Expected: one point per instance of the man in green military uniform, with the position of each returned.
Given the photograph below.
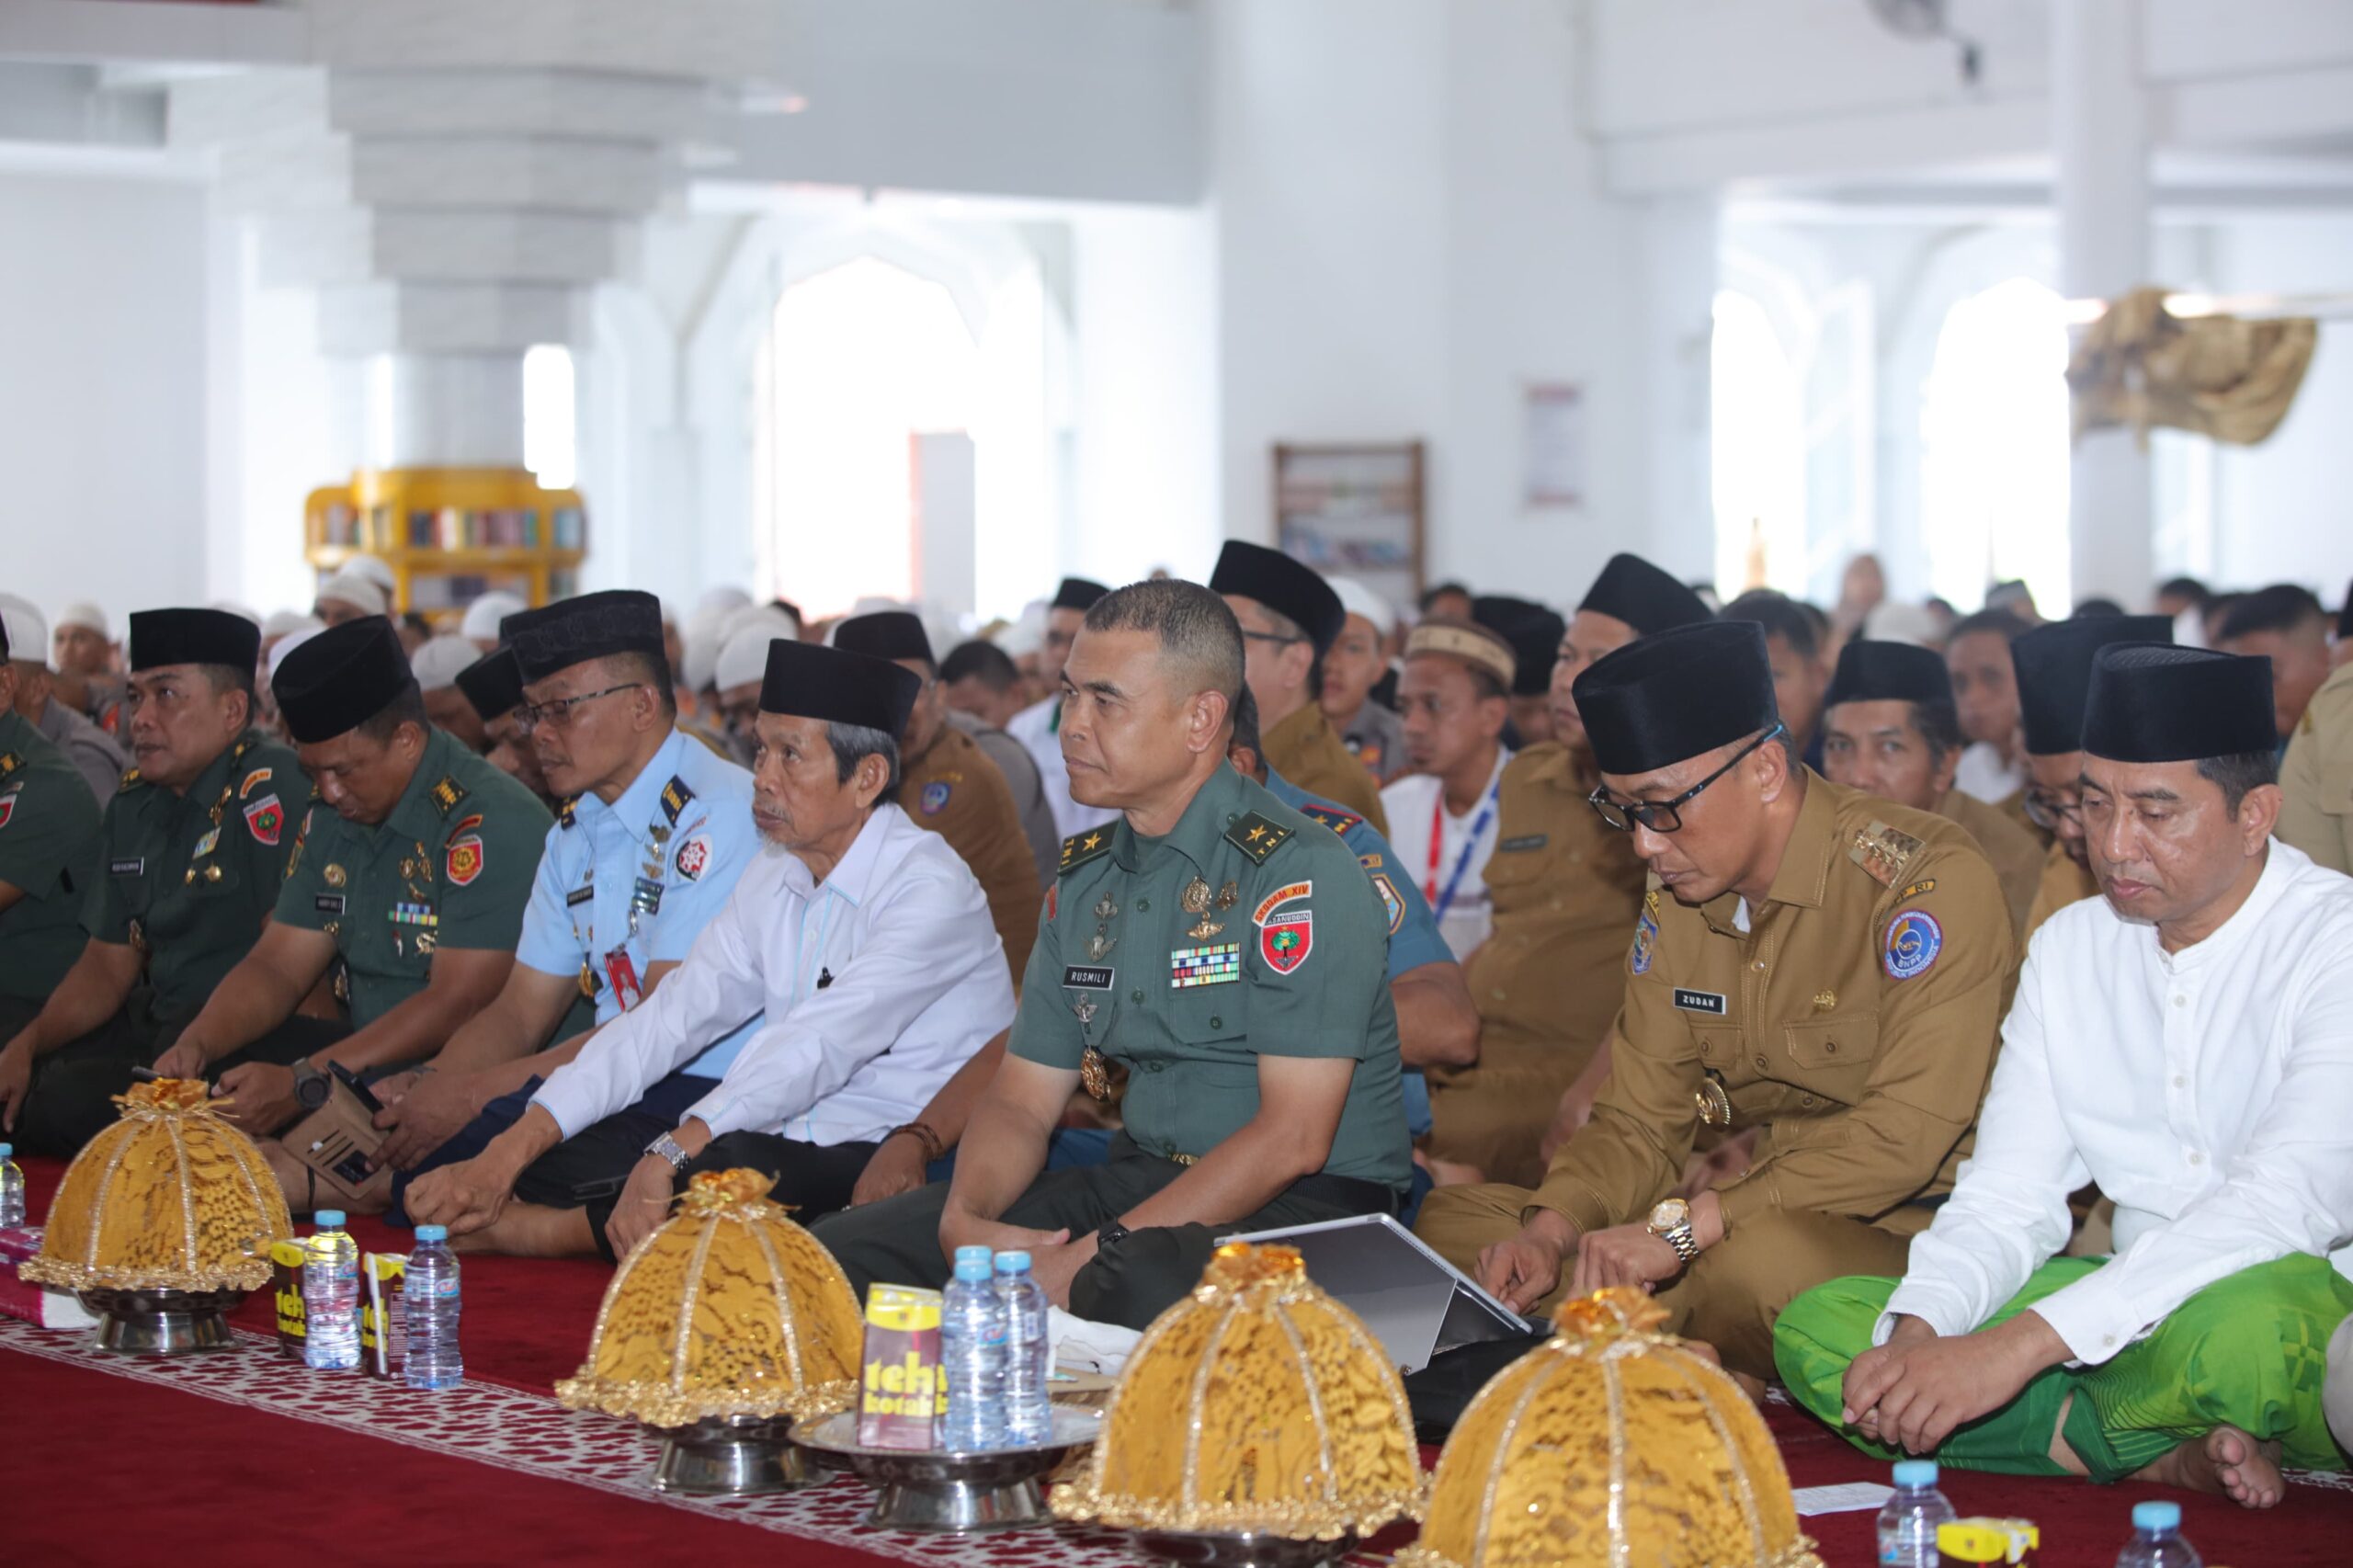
(49, 842)
(1230, 954)
(193, 848)
(412, 866)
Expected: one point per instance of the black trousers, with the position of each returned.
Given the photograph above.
(896, 1242)
(70, 1099)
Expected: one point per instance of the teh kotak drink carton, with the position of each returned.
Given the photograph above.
(902, 1390)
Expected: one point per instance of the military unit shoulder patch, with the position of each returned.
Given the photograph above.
(1257, 837)
(1081, 848)
(1882, 852)
(1333, 817)
(253, 780)
(266, 820)
(466, 824)
(675, 796)
(1925, 884)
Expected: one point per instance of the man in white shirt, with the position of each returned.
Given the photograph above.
(864, 938)
(1455, 694)
(1037, 727)
(2185, 1040)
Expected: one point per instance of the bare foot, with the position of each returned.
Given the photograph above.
(2225, 1463)
(529, 1230)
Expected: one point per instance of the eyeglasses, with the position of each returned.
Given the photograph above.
(558, 713)
(1664, 816)
(2048, 811)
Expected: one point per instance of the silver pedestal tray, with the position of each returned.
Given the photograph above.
(932, 1491)
(1244, 1549)
(160, 1323)
(729, 1456)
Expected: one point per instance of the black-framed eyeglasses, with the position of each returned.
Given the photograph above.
(1664, 816)
(2047, 810)
(531, 715)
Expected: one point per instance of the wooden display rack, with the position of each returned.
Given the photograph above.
(451, 534)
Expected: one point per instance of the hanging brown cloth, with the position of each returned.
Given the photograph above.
(2220, 377)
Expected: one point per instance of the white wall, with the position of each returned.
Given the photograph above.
(102, 390)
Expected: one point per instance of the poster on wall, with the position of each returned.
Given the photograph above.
(1555, 440)
(1354, 511)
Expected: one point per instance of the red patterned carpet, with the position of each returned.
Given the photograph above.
(207, 1459)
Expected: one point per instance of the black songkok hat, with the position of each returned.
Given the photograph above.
(1632, 590)
(885, 634)
(340, 678)
(1669, 697)
(807, 680)
(2054, 674)
(594, 625)
(1076, 593)
(2154, 702)
(160, 637)
(493, 683)
(1889, 672)
(1284, 585)
(1534, 633)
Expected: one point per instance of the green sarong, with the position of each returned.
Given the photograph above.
(2248, 1351)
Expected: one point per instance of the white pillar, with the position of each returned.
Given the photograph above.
(1679, 274)
(445, 411)
(2101, 147)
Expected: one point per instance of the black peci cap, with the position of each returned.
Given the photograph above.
(160, 637)
(492, 684)
(593, 626)
(1675, 694)
(1284, 585)
(1889, 672)
(806, 680)
(2054, 674)
(2154, 702)
(1632, 590)
(338, 679)
(885, 634)
(1534, 633)
(1076, 593)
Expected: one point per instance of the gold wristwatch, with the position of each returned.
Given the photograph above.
(1671, 1222)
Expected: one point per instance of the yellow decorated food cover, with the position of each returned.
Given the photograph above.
(1256, 1404)
(1612, 1445)
(170, 1197)
(728, 1308)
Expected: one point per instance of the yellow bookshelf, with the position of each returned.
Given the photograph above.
(451, 534)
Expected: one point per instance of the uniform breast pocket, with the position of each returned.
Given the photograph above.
(2336, 788)
(1827, 1045)
(1208, 1015)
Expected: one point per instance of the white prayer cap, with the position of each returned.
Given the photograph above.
(278, 623)
(437, 662)
(744, 659)
(288, 643)
(1026, 633)
(1892, 620)
(352, 588)
(483, 614)
(724, 597)
(28, 632)
(83, 614)
(376, 570)
(232, 607)
(1358, 600)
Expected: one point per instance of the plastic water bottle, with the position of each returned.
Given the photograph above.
(12, 1189)
(971, 1354)
(1029, 1407)
(1908, 1525)
(331, 1296)
(2156, 1540)
(429, 1297)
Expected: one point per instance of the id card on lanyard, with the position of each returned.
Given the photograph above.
(1442, 901)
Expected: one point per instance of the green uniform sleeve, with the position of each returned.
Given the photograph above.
(1044, 1029)
(48, 822)
(305, 900)
(1317, 963)
(484, 875)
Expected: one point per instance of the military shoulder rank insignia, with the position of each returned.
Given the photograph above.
(675, 796)
(1333, 817)
(446, 793)
(1882, 852)
(131, 779)
(1257, 837)
(1081, 848)
(563, 817)
(10, 762)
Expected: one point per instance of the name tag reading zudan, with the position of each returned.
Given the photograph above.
(1699, 1001)
(1086, 977)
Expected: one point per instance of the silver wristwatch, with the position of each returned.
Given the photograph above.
(667, 1147)
(1671, 1222)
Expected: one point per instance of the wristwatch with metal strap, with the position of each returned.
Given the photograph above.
(1671, 1222)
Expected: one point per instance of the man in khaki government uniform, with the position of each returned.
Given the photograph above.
(948, 785)
(1888, 729)
(1564, 891)
(2054, 675)
(1227, 950)
(195, 841)
(1828, 966)
(2316, 779)
(1290, 618)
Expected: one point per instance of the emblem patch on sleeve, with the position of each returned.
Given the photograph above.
(694, 857)
(266, 819)
(464, 860)
(7, 808)
(1394, 905)
(935, 799)
(1286, 941)
(1278, 898)
(257, 776)
(1914, 941)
